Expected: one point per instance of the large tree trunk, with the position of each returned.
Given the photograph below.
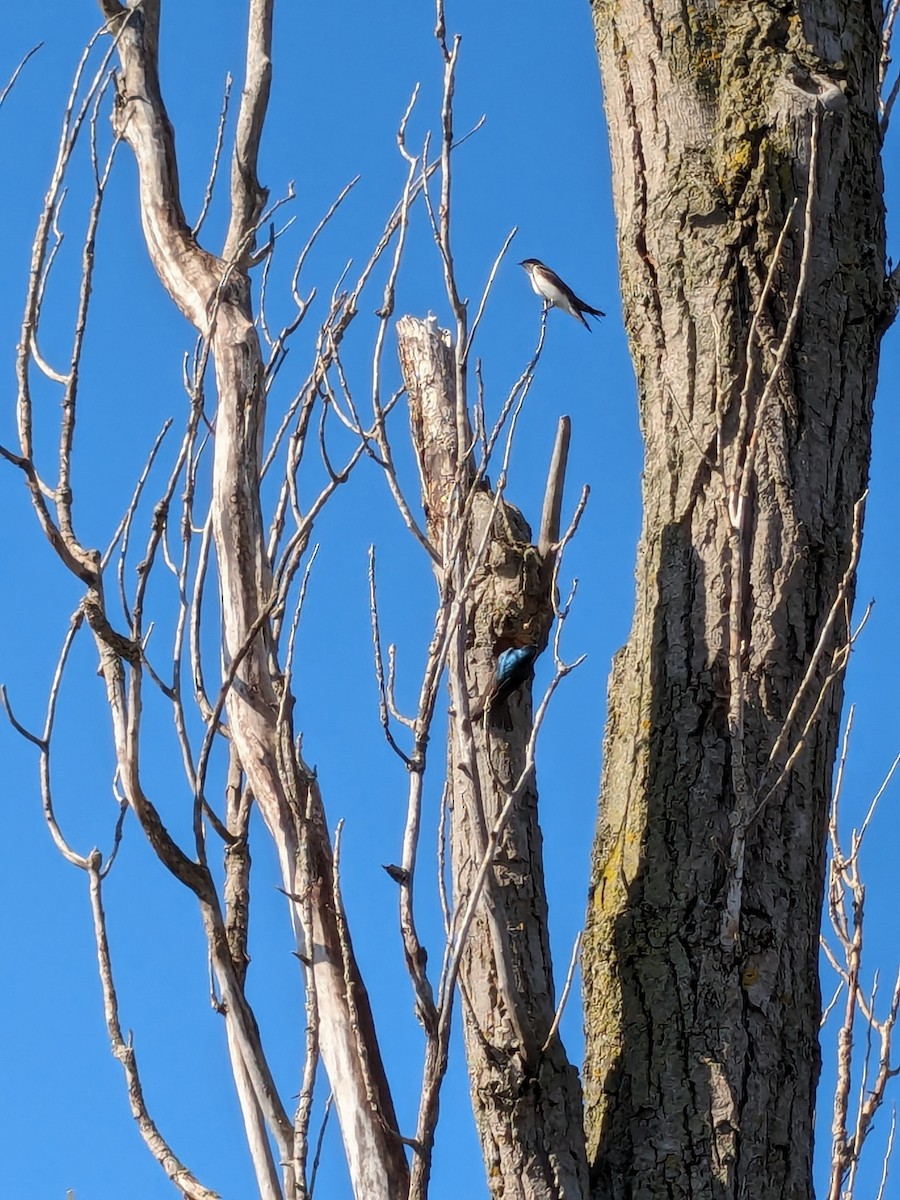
(700, 963)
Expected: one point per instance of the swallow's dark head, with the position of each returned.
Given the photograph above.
(529, 263)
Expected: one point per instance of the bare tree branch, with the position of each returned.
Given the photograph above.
(17, 72)
(248, 198)
(846, 913)
(123, 1051)
(216, 158)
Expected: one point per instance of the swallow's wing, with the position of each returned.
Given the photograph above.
(554, 281)
(577, 302)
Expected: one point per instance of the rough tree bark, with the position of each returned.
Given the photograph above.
(700, 963)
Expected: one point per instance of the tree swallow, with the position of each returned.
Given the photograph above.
(398, 874)
(512, 670)
(552, 290)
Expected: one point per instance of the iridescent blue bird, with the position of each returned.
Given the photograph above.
(512, 670)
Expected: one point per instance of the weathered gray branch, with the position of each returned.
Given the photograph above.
(184, 1180)
(215, 296)
(553, 496)
(248, 197)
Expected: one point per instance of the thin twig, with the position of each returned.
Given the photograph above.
(482, 304)
(570, 974)
(17, 72)
(886, 1160)
(217, 154)
(123, 1051)
(383, 710)
(319, 1141)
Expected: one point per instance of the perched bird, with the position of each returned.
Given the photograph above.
(512, 670)
(551, 288)
(398, 874)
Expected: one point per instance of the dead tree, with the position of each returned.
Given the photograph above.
(498, 590)
(495, 590)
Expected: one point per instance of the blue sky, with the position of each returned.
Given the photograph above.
(343, 75)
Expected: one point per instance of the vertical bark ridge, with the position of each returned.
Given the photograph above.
(702, 1055)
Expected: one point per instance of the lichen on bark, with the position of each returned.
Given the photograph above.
(702, 1055)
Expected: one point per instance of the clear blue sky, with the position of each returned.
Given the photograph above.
(343, 75)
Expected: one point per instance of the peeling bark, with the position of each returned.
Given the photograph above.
(702, 1055)
(214, 294)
